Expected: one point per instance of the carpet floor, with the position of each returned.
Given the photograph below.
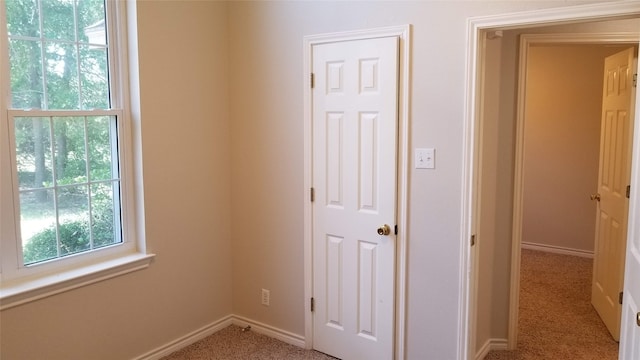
(231, 343)
(557, 320)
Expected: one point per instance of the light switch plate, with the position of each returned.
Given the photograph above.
(425, 158)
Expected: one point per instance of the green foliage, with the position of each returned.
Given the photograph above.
(42, 246)
(75, 236)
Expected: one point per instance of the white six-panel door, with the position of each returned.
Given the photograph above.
(354, 177)
(630, 329)
(630, 313)
(630, 334)
(615, 164)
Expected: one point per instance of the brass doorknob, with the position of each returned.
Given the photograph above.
(595, 197)
(384, 230)
(638, 319)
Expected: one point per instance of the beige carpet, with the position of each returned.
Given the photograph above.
(232, 343)
(556, 319)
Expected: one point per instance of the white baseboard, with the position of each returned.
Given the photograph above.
(187, 339)
(491, 344)
(557, 250)
(203, 332)
(270, 331)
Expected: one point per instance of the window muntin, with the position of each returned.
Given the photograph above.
(58, 52)
(70, 203)
(64, 134)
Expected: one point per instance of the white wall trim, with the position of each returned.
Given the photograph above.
(270, 331)
(558, 16)
(581, 38)
(20, 292)
(491, 344)
(403, 32)
(186, 340)
(477, 28)
(215, 326)
(556, 249)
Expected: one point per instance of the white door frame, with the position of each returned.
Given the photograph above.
(477, 29)
(403, 33)
(518, 204)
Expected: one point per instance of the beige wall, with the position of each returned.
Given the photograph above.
(562, 141)
(496, 189)
(200, 161)
(185, 144)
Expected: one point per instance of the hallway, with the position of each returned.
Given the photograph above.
(557, 320)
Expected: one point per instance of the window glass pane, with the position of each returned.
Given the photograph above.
(75, 76)
(38, 225)
(67, 166)
(91, 22)
(101, 135)
(69, 150)
(73, 219)
(104, 225)
(75, 211)
(33, 152)
(57, 19)
(27, 91)
(94, 76)
(63, 91)
(23, 18)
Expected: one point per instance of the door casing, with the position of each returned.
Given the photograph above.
(478, 28)
(403, 32)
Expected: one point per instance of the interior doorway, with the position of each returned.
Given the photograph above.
(493, 222)
(563, 85)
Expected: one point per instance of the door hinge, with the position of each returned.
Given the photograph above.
(628, 191)
(313, 304)
(635, 80)
(312, 81)
(312, 194)
(620, 297)
(473, 239)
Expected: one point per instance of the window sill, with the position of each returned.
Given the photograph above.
(15, 293)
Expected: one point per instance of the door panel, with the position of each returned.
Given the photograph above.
(630, 327)
(354, 177)
(611, 222)
(630, 336)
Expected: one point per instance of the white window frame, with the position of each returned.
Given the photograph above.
(20, 284)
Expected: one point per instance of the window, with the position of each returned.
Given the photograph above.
(65, 137)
